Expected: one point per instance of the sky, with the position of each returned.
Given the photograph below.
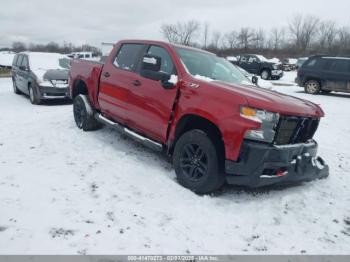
(96, 21)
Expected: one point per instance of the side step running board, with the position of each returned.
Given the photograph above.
(143, 140)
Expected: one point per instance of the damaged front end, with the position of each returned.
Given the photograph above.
(291, 157)
(260, 164)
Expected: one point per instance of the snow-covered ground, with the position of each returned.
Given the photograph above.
(6, 58)
(63, 191)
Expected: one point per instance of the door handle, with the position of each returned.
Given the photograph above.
(136, 82)
(106, 74)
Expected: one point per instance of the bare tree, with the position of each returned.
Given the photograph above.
(216, 40)
(245, 36)
(277, 38)
(206, 34)
(231, 39)
(181, 33)
(327, 32)
(302, 30)
(18, 46)
(54, 47)
(259, 38)
(344, 39)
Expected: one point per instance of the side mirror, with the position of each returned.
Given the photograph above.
(255, 80)
(23, 68)
(151, 69)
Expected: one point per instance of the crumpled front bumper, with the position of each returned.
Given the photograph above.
(261, 164)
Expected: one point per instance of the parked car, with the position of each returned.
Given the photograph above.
(325, 74)
(259, 65)
(289, 64)
(85, 55)
(200, 110)
(301, 61)
(255, 80)
(42, 76)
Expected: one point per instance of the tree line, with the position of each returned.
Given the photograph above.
(52, 47)
(303, 36)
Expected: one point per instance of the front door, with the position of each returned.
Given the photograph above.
(149, 103)
(23, 72)
(17, 74)
(252, 64)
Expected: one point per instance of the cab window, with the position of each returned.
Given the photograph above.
(19, 60)
(167, 65)
(128, 56)
(244, 58)
(25, 62)
(252, 59)
(14, 62)
(340, 65)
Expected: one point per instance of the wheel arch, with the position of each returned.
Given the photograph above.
(79, 88)
(312, 78)
(192, 121)
(265, 68)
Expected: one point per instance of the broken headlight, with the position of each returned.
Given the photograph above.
(268, 121)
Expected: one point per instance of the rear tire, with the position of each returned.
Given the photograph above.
(196, 161)
(312, 87)
(33, 97)
(84, 114)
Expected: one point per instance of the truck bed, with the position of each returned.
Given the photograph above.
(87, 71)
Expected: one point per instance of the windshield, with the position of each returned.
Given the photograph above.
(209, 67)
(262, 58)
(64, 62)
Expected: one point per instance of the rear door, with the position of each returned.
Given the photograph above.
(337, 75)
(116, 78)
(150, 104)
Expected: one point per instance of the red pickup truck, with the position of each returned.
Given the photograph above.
(202, 111)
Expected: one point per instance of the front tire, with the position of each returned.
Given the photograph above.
(312, 87)
(265, 74)
(196, 162)
(84, 114)
(33, 97)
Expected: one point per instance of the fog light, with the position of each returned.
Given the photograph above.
(281, 172)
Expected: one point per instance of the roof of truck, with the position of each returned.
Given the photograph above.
(156, 42)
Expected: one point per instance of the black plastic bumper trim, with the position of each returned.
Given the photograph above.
(262, 164)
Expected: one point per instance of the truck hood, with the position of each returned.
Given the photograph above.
(273, 101)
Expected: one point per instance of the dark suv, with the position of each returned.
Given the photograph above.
(259, 65)
(325, 74)
(41, 76)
